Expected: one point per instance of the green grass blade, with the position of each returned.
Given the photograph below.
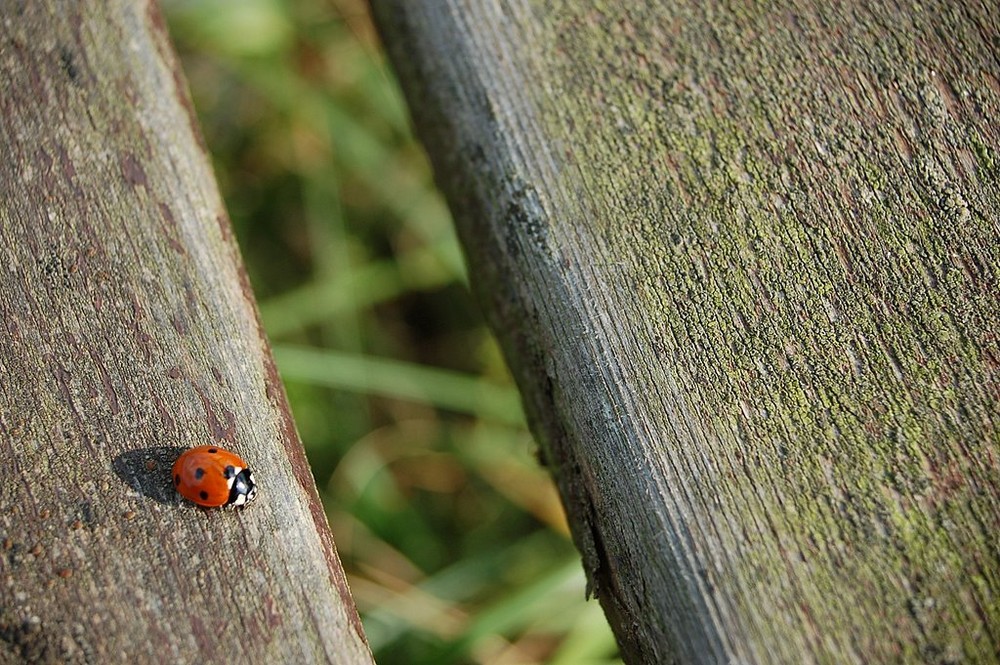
(511, 613)
(364, 286)
(391, 378)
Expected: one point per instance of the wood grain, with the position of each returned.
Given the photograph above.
(743, 260)
(129, 333)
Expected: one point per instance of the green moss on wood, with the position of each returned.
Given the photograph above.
(804, 267)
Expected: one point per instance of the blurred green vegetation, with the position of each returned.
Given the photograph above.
(450, 532)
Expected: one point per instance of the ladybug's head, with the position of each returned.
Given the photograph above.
(243, 490)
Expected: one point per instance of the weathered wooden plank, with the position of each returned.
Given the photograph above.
(743, 259)
(130, 332)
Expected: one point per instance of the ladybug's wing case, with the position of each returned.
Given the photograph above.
(201, 478)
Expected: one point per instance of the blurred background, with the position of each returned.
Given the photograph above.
(451, 534)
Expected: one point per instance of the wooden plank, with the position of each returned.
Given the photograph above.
(129, 333)
(743, 260)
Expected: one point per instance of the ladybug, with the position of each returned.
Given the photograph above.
(213, 477)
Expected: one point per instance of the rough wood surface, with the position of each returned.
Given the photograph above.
(743, 259)
(130, 332)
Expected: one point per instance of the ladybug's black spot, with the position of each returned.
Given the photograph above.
(177, 480)
(230, 471)
(199, 473)
(213, 450)
(204, 495)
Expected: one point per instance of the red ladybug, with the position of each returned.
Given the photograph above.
(213, 477)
